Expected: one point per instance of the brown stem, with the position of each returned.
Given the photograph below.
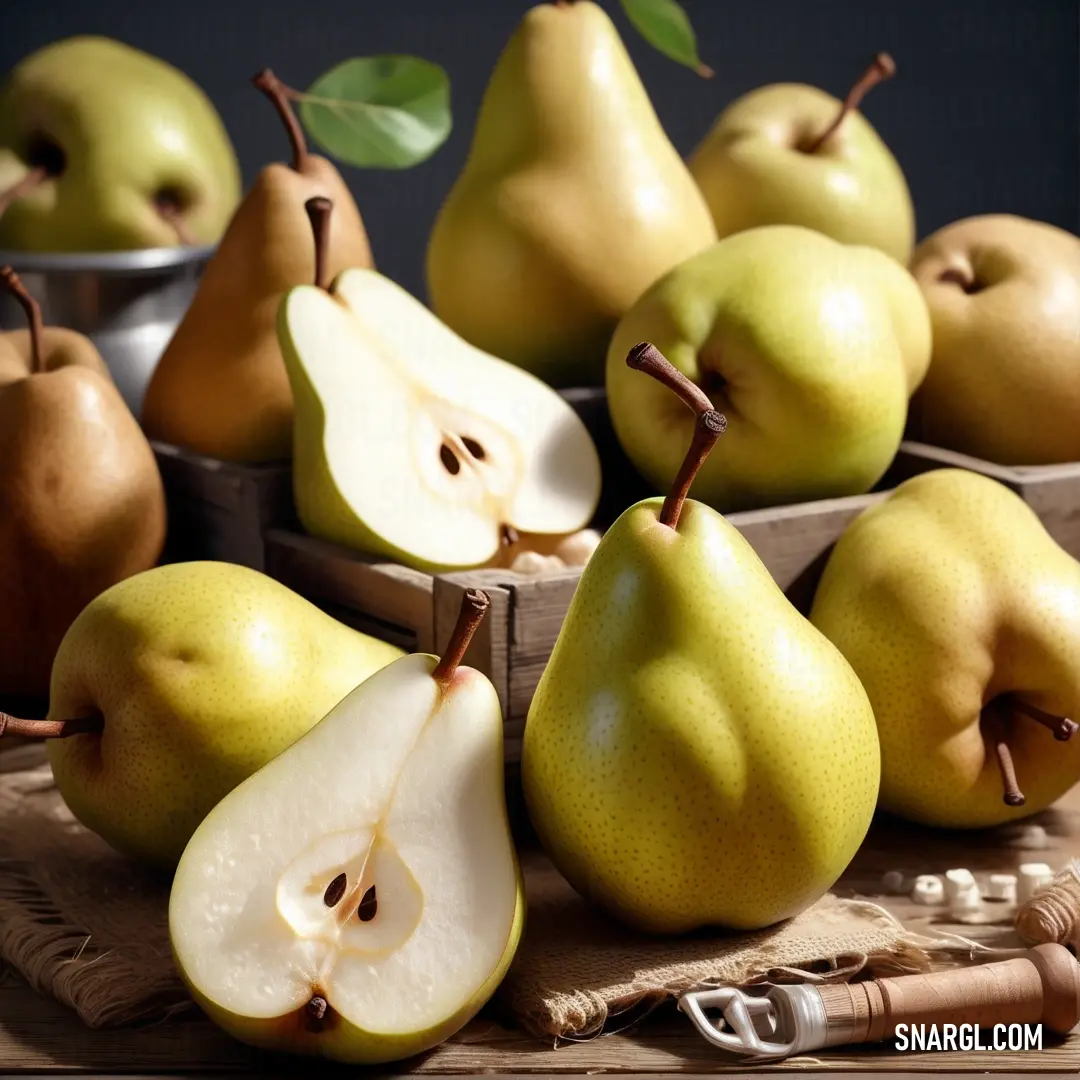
(51, 729)
(35, 176)
(1062, 727)
(997, 734)
(881, 68)
(709, 427)
(474, 605)
(648, 358)
(172, 215)
(13, 283)
(279, 95)
(318, 210)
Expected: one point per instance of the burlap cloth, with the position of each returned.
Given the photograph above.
(89, 928)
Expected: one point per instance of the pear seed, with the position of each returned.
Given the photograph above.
(449, 460)
(369, 905)
(335, 891)
(317, 1007)
(474, 448)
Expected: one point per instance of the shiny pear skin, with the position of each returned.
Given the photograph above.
(696, 753)
(752, 172)
(82, 505)
(809, 347)
(129, 130)
(944, 596)
(1004, 299)
(203, 672)
(571, 203)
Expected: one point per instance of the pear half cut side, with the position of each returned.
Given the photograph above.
(413, 444)
(359, 897)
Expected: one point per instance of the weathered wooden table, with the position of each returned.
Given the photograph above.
(38, 1037)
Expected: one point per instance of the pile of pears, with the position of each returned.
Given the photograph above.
(698, 753)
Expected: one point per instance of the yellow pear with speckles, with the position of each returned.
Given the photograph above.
(696, 753)
(961, 616)
(195, 675)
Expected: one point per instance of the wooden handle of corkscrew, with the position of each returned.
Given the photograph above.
(1040, 987)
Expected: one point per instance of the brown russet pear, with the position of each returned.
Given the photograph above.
(571, 204)
(81, 499)
(1004, 300)
(221, 388)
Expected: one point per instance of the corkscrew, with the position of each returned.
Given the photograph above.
(1042, 986)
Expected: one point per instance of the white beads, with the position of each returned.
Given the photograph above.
(1001, 887)
(959, 883)
(1033, 877)
(892, 881)
(928, 889)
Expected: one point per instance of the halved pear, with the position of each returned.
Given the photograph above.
(359, 897)
(411, 443)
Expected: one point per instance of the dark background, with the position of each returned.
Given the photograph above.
(983, 114)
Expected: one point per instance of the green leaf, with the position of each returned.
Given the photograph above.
(379, 112)
(666, 27)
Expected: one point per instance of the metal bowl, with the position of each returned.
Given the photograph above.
(127, 302)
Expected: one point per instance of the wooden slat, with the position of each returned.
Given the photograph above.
(394, 594)
(937, 457)
(221, 510)
(538, 608)
(1052, 491)
(794, 542)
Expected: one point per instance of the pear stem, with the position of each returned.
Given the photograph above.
(318, 210)
(13, 283)
(474, 605)
(881, 68)
(1012, 794)
(996, 732)
(51, 729)
(279, 94)
(1062, 727)
(709, 427)
(37, 175)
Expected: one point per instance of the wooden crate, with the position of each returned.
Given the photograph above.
(514, 642)
(1052, 491)
(220, 510)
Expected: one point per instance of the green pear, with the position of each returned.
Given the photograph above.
(696, 752)
(178, 683)
(572, 201)
(790, 154)
(809, 347)
(961, 616)
(103, 147)
(411, 443)
(359, 897)
(1004, 300)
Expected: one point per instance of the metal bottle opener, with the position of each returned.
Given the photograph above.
(1040, 987)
